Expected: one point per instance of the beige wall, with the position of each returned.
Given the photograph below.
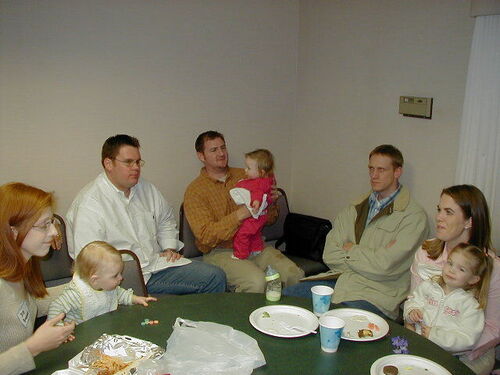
(316, 81)
(355, 59)
(75, 72)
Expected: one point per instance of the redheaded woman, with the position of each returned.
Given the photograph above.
(26, 233)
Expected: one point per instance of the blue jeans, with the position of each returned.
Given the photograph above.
(303, 289)
(195, 277)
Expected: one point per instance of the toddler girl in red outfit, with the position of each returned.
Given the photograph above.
(258, 185)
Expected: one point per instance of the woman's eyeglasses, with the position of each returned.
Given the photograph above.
(45, 226)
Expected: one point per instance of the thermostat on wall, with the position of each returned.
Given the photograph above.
(414, 106)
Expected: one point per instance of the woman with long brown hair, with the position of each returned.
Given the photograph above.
(463, 217)
(26, 233)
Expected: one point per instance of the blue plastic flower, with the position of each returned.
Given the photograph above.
(400, 345)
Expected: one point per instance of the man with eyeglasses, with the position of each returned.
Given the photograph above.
(130, 213)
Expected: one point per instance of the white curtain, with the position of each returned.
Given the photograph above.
(479, 152)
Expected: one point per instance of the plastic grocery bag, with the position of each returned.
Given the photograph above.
(206, 348)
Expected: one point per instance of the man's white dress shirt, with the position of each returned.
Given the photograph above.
(144, 222)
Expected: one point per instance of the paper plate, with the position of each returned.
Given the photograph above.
(276, 320)
(356, 320)
(408, 365)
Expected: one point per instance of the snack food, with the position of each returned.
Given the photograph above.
(114, 354)
(108, 365)
(390, 370)
(365, 333)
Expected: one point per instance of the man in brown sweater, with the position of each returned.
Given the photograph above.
(214, 219)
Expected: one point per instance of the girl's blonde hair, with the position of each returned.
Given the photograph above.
(92, 257)
(264, 159)
(482, 266)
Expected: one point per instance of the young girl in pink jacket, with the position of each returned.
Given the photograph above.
(463, 216)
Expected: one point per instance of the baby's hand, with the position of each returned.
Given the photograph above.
(416, 315)
(426, 330)
(410, 326)
(72, 336)
(255, 206)
(142, 300)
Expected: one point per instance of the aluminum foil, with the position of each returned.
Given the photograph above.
(126, 348)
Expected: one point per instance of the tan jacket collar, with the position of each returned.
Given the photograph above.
(399, 204)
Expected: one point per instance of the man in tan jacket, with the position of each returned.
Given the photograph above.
(373, 241)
